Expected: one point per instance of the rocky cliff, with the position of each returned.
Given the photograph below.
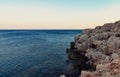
(98, 49)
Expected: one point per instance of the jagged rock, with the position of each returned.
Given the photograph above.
(109, 69)
(115, 56)
(101, 46)
(87, 74)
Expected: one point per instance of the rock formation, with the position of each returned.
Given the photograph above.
(98, 48)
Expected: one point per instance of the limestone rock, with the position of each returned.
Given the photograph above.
(87, 74)
(101, 47)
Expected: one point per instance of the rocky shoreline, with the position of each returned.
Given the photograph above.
(98, 51)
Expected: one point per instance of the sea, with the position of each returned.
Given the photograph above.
(36, 53)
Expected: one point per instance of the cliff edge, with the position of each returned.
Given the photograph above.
(98, 49)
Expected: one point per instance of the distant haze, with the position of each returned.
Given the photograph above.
(57, 14)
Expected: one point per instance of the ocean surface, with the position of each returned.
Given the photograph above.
(36, 53)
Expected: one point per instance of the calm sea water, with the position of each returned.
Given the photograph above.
(35, 53)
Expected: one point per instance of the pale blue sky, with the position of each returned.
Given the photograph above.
(80, 4)
(57, 13)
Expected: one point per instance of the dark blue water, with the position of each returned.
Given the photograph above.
(35, 53)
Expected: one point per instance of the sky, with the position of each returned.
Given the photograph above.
(57, 14)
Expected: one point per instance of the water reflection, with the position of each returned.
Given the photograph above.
(76, 68)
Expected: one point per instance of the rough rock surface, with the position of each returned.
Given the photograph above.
(107, 69)
(98, 48)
